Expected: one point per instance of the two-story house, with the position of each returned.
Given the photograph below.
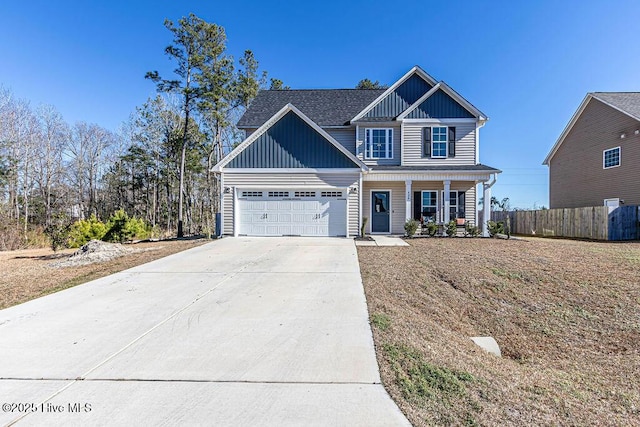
(596, 159)
(317, 162)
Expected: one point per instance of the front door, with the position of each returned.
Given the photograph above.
(380, 218)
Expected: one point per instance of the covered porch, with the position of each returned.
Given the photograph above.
(390, 197)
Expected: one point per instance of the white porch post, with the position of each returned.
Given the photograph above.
(408, 213)
(486, 209)
(447, 203)
(486, 205)
(236, 213)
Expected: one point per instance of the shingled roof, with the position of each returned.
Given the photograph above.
(627, 102)
(326, 107)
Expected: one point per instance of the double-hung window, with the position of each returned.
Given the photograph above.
(429, 205)
(439, 142)
(611, 158)
(378, 143)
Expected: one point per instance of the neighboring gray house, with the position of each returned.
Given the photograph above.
(596, 160)
(316, 162)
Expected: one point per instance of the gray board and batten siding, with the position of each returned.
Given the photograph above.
(291, 143)
(440, 106)
(576, 174)
(400, 99)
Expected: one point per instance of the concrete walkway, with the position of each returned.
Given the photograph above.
(241, 331)
(382, 240)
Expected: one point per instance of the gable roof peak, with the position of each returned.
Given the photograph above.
(289, 107)
(415, 70)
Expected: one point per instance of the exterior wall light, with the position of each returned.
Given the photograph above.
(353, 190)
(227, 190)
(623, 135)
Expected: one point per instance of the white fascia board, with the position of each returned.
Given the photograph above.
(277, 116)
(479, 176)
(354, 171)
(568, 128)
(415, 70)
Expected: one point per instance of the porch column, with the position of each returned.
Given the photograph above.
(447, 203)
(408, 207)
(486, 208)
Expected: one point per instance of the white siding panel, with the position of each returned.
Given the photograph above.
(397, 135)
(465, 146)
(292, 181)
(346, 137)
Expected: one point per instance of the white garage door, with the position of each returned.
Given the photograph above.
(277, 212)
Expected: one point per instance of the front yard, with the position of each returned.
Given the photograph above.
(31, 273)
(566, 315)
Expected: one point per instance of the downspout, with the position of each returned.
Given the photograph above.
(486, 204)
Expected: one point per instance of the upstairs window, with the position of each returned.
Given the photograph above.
(611, 158)
(378, 144)
(439, 142)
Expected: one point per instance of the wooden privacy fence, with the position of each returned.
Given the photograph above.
(597, 223)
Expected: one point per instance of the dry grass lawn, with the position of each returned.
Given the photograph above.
(566, 315)
(28, 274)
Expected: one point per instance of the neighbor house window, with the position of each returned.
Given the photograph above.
(439, 141)
(611, 158)
(378, 144)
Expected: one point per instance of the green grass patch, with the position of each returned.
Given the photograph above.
(381, 321)
(420, 380)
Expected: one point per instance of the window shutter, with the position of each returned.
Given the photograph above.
(417, 205)
(390, 144)
(367, 142)
(452, 142)
(426, 144)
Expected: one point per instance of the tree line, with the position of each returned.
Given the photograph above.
(156, 167)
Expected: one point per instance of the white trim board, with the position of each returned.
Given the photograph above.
(327, 171)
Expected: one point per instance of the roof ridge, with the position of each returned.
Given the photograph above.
(321, 89)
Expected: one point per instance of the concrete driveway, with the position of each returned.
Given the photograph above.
(241, 331)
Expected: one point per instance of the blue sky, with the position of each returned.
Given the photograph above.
(527, 65)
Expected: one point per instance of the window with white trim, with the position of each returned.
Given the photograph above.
(456, 204)
(429, 205)
(439, 142)
(611, 158)
(378, 143)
